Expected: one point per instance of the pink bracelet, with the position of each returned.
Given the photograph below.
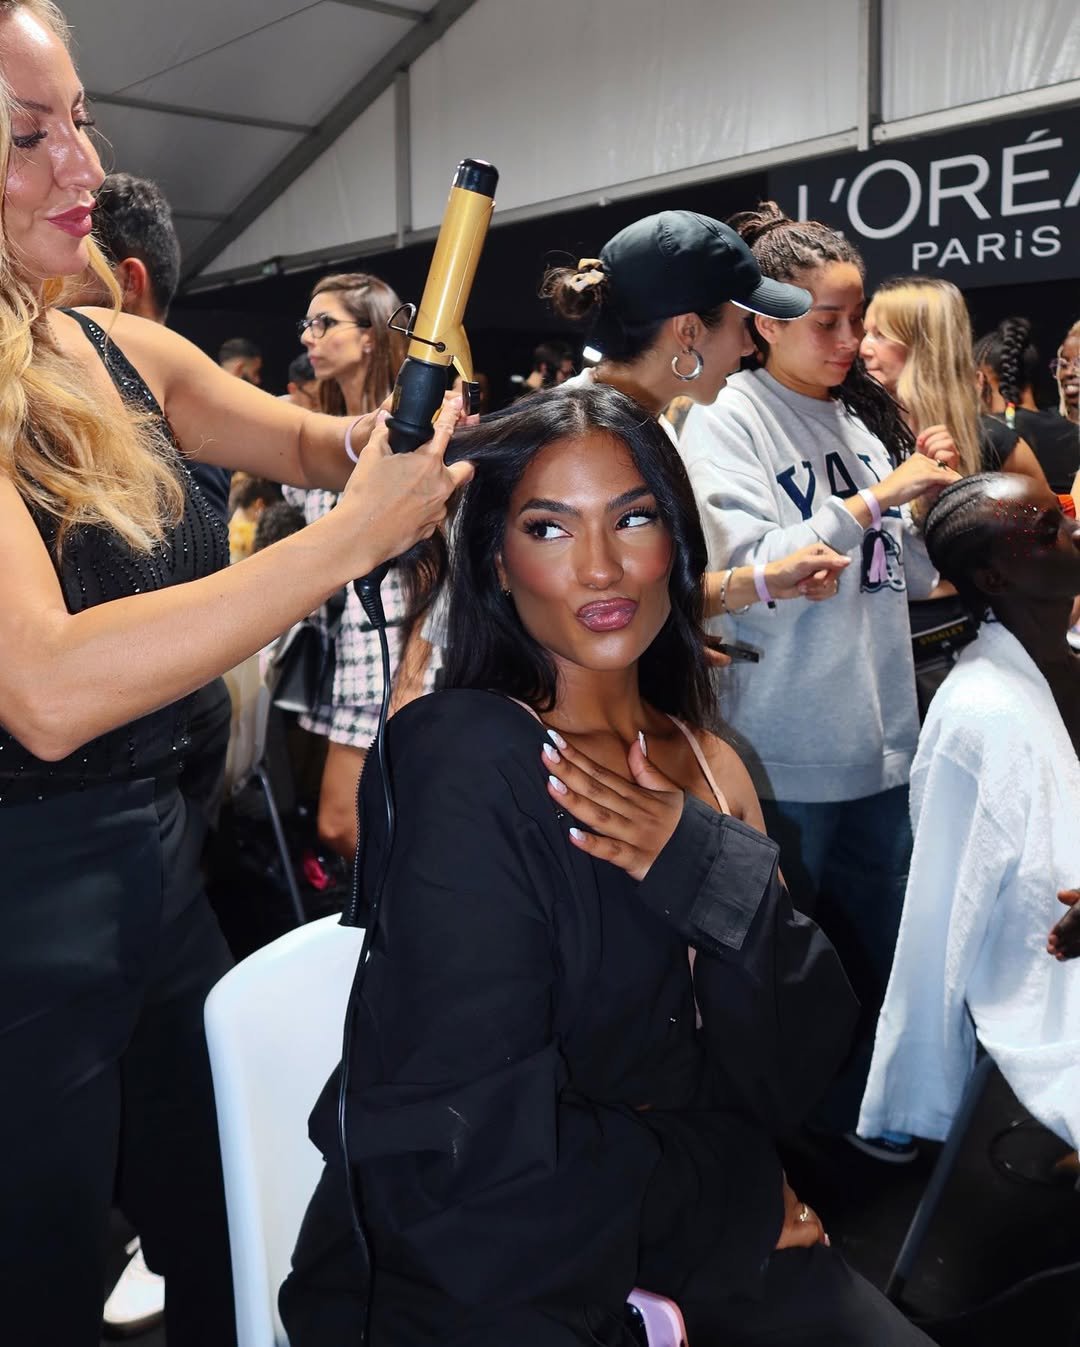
(348, 440)
(873, 506)
(878, 570)
(761, 587)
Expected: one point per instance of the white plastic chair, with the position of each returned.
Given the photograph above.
(274, 1025)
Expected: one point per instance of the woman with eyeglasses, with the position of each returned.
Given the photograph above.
(1065, 368)
(356, 357)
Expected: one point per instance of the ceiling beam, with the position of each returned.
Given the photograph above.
(204, 114)
(381, 7)
(360, 97)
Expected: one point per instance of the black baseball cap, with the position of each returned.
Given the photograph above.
(682, 262)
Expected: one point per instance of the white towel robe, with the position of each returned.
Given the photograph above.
(995, 807)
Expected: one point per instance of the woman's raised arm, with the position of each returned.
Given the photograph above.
(67, 678)
(226, 421)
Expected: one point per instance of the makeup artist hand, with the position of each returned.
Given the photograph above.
(937, 443)
(1064, 941)
(633, 820)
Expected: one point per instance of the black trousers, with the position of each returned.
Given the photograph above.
(810, 1298)
(107, 951)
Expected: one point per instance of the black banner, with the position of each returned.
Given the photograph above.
(991, 205)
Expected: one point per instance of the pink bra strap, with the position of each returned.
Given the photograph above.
(706, 770)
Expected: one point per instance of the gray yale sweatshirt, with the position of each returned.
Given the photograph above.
(830, 712)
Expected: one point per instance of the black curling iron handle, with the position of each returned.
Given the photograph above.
(418, 395)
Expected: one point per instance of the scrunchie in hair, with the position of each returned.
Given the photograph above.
(590, 272)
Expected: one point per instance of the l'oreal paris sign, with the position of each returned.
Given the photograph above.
(996, 204)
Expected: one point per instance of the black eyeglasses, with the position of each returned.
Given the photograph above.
(321, 324)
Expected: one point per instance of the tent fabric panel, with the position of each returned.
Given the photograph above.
(939, 56)
(291, 71)
(348, 194)
(119, 42)
(566, 98)
(197, 166)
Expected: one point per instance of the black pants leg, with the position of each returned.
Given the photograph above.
(170, 1183)
(811, 1298)
(102, 1051)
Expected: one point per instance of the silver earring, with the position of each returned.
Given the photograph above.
(695, 373)
(506, 593)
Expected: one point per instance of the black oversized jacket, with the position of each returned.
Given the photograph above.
(522, 1133)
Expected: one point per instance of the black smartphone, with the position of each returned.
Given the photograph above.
(746, 654)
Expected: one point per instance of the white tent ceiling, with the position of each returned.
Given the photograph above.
(310, 129)
(210, 97)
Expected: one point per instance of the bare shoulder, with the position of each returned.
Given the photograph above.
(732, 778)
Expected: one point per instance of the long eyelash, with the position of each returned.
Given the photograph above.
(28, 142)
(536, 527)
(643, 513)
(83, 122)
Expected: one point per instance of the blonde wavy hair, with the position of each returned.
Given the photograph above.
(938, 384)
(62, 443)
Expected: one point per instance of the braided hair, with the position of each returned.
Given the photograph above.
(786, 250)
(960, 532)
(1012, 356)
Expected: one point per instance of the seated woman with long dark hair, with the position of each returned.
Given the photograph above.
(539, 1116)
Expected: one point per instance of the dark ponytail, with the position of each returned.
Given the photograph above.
(786, 250)
(1012, 356)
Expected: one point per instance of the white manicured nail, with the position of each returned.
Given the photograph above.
(556, 784)
(556, 738)
(551, 753)
(641, 743)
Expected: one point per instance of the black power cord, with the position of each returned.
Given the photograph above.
(368, 590)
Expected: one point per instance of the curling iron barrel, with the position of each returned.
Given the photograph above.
(437, 336)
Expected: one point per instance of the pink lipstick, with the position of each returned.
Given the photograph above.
(607, 614)
(77, 222)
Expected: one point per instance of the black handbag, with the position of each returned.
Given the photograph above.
(301, 673)
(940, 628)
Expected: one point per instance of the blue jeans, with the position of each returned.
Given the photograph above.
(845, 865)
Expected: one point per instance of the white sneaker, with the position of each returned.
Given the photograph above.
(137, 1301)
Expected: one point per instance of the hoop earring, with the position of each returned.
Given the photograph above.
(695, 373)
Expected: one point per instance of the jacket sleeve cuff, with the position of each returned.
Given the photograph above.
(709, 879)
(836, 526)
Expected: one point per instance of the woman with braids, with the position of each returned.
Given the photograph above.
(537, 1118)
(995, 798)
(356, 358)
(1008, 369)
(116, 604)
(666, 304)
(918, 346)
(810, 448)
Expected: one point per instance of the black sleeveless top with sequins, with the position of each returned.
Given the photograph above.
(96, 567)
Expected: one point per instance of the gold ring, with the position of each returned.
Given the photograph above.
(803, 1215)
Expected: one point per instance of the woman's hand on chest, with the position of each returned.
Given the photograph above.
(631, 820)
